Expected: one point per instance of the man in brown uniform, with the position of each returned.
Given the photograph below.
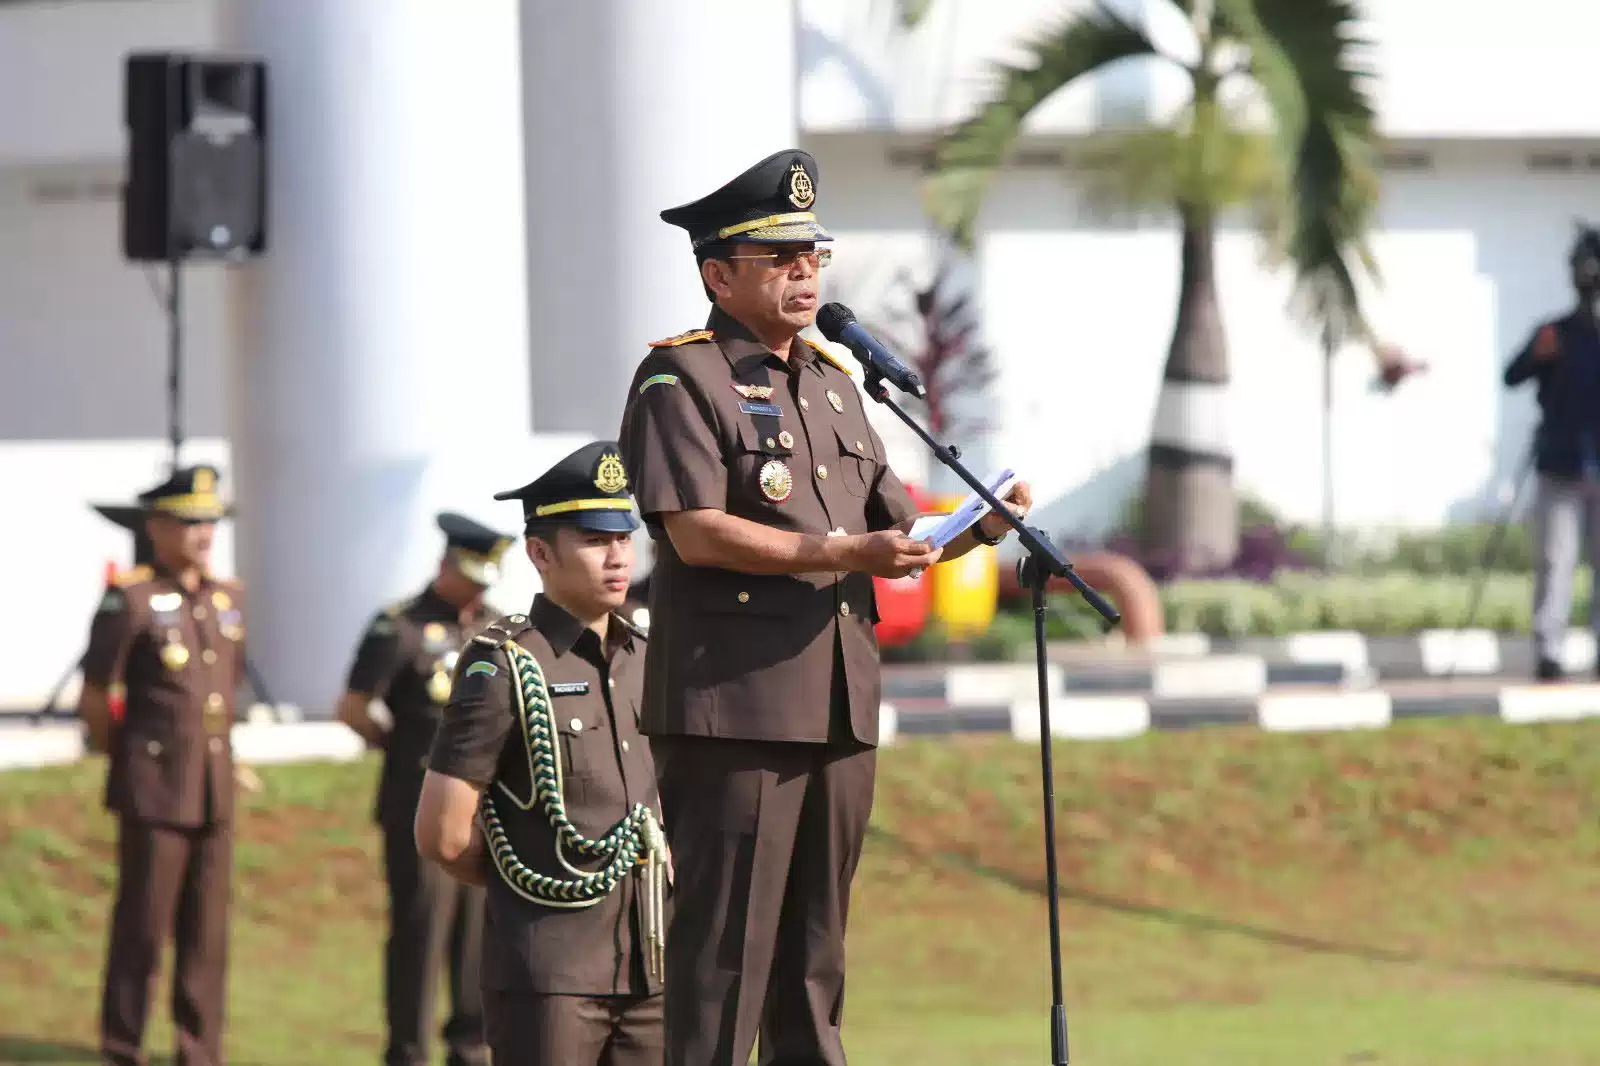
(541, 741)
(171, 636)
(771, 504)
(406, 659)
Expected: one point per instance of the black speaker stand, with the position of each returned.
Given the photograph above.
(175, 357)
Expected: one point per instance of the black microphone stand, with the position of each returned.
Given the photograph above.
(1042, 562)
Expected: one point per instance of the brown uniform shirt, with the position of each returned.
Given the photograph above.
(406, 659)
(180, 657)
(715, 420)
(606, 768)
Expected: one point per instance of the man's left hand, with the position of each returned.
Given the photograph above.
(1019, 501)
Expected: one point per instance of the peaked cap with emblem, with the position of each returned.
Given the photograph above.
(190, 494)
(473, 547)
(587, 489)
(768, 204)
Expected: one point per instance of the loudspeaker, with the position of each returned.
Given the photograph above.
(197, 164)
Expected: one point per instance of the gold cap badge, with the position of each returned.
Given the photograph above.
(801, 192)
(611, 476)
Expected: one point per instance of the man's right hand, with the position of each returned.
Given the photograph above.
(890, 553)
(1545, 344)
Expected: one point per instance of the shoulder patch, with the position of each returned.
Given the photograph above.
(135, 576)
(820, 350)
(683, 338)
(658, 379)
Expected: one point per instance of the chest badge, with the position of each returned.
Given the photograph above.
(835, 402)
(776, 480)
(754, 392)
(165, 602)
(570, 688)
(221, 600)
(439, 685)
(435, 637)
(786, 439)
(174, 656)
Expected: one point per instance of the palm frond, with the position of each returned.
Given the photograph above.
(966, 159)
(912, 12)
(1209, 160)
(1303, 56)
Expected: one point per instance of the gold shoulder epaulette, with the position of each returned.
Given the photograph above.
(683, 338)
(820, 350)
(135, 576)
(502, 629)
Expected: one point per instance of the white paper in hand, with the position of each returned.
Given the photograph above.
(939, 530)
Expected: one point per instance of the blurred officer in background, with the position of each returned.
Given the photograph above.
(406, 659)
(541, 743)
(1563, 357)
(171, 637)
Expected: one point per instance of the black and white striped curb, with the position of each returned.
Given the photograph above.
(1078, 717)
(1113, 716)
(1204, 677)
(256, 742)
(1427, 653)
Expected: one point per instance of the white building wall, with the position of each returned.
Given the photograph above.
(1079, 310)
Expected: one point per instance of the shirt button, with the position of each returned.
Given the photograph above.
(216, 745)
(209, 657)
(840, 532)
(576, 724)
(200, 614)
(844, 609)
(624, 745)
(822, 471)
(771, 443)
(214, 701)
(744, 597)
(611, 682)
(805, 405)
(153, 747)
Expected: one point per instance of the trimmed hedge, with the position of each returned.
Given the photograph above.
(1391, 604)
(1396, 603)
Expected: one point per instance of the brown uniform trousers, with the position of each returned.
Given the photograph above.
(761, 691)
(180, 656)
(405, 659)
(562, 987)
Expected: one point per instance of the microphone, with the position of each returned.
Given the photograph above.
(838, 323)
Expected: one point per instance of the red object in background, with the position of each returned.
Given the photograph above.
(116, 698)
(903, 602)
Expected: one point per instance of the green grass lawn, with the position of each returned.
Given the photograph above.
(1420, 896)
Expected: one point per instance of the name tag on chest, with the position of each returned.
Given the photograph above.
(570, 688)
(761, 409)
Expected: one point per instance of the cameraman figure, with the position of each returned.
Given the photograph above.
(1564, 357)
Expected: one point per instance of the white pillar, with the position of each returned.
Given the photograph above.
(634, 106)
(386, 325)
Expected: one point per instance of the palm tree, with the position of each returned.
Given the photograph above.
(1308, 172)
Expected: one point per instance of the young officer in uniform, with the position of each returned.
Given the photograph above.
(772, 505)
(541, 743)
(406, 659)
(171, 637)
